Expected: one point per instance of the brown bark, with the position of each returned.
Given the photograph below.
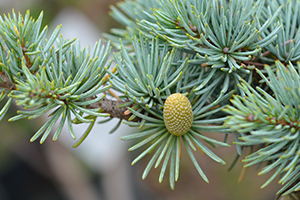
(112, 107)
(6, 84)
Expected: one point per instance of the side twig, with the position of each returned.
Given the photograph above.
(112, 107)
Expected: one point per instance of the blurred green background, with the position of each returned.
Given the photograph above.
(55, 171)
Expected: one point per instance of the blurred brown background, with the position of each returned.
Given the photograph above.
(100, 168)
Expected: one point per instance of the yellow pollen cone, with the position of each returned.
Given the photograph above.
(178, 114)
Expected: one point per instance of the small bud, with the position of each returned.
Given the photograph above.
(194, 29)
(226, 49)
(250, 118)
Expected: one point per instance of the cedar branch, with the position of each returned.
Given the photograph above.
(107, 105)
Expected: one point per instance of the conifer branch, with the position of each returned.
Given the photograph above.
(199, 53)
